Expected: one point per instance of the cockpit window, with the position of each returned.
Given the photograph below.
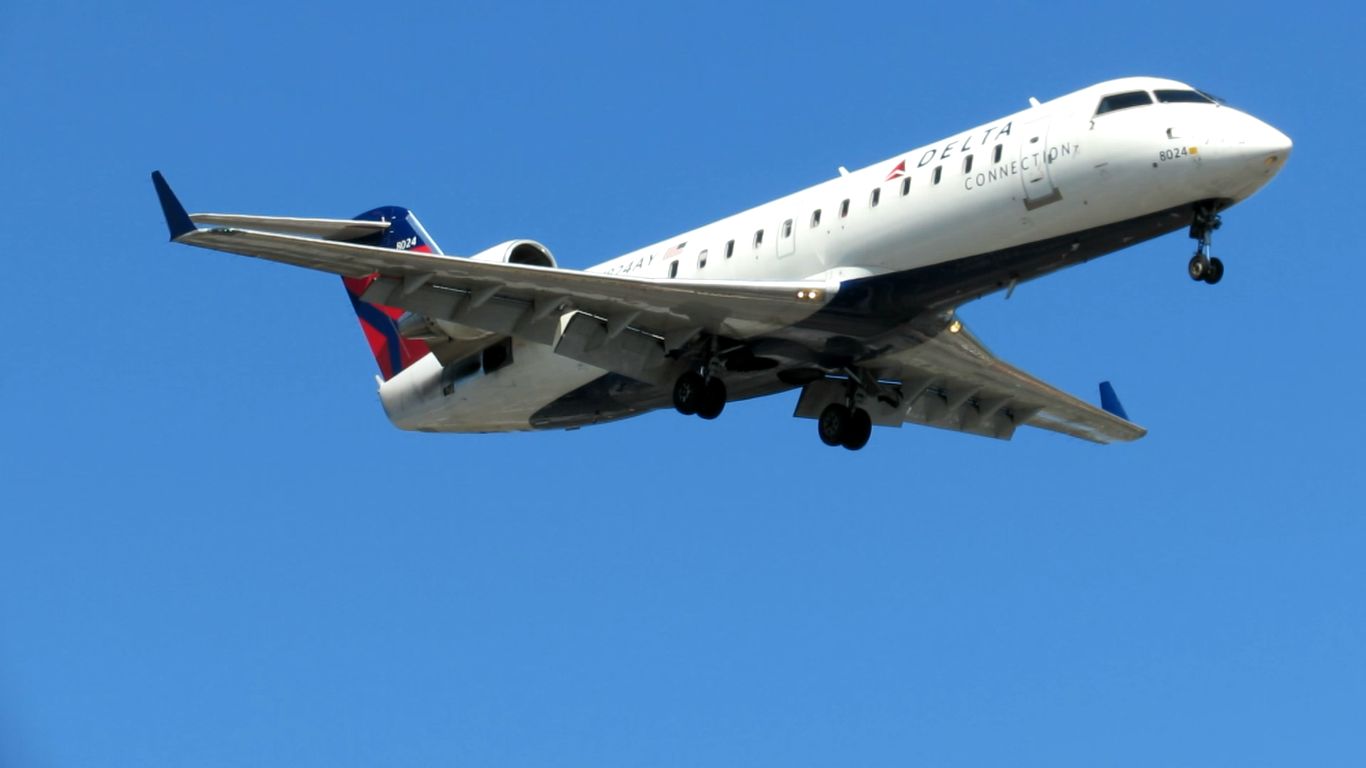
(1123, 101)
(1178, 97)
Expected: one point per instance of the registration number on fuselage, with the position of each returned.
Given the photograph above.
(1176, 153)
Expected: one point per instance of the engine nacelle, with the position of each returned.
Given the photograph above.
(518, 252)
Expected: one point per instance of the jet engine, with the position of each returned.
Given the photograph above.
(518, 252)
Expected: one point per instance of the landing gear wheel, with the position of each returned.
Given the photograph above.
(689, 393)
(1198, 266)
(1214, 272)
(832, 424)
(713, 399)
(857, 430)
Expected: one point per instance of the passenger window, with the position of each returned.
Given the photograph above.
(938, 172)
(730, 248)
(815, 218)
(1123, 101)
(996, 154)
(875, 197)
(967, 164)
(1175, 97)
(702, 260)
(844, 208)
(906, 186)
(673, 269)
(787, 229)
(758, 238)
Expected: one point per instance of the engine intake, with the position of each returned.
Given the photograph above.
(518, 252)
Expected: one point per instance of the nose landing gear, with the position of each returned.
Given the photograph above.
(1203, 267)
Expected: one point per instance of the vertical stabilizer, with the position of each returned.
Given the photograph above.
(392, 352)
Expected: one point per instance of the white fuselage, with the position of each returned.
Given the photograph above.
(1044, 172)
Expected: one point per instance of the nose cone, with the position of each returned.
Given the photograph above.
(1244, 153)
(1267, 144)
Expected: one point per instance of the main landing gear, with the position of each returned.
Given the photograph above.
(843, 422)
(1203, 267)
(841, 425)
(704, 395)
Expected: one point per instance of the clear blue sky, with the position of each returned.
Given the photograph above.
(215, 550)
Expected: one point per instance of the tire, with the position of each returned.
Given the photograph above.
(1197, 268)
(713, 399)
(832, 424)
(689, 391)
(858, 430)
(1214, 272)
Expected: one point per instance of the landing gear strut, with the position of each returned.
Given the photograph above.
(1203, 267)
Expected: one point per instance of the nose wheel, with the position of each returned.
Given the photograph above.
(1204, 268)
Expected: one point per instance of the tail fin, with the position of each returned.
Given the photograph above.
(380, 323)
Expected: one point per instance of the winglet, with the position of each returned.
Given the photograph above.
(177, 220)
(1109, 401)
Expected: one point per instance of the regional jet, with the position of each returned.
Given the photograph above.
(848, 290)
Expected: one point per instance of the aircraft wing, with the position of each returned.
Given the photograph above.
(514, 299)
(952, 380)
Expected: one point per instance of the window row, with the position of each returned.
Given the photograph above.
(874, 197)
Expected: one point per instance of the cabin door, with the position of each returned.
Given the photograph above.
(1034, 171)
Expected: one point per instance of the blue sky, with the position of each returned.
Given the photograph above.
(214, 550)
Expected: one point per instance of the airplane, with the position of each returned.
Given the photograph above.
(848, 290)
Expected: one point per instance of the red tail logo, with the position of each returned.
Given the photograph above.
(380, 324)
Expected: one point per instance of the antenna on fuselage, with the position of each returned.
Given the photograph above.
(844, 171)
(1033, 102)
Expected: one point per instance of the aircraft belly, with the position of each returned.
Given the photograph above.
(612, 397)
(867, 307)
